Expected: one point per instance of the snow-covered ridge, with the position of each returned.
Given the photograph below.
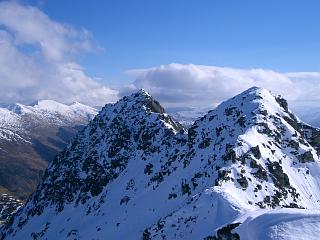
(53, 107)
(135, 173)
(16, 120)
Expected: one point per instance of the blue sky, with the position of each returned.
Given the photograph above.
(97, 51)
(280, 35)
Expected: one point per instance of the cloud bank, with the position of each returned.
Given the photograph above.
(205, 86)
(37, 59)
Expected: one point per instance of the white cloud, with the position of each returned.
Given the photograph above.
(37, 59)
(203, 86)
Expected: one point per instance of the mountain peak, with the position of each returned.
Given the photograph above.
(143, 92)
(260, 141)
(254, 89)
(263, 95)
(142, 99)
(255, 100)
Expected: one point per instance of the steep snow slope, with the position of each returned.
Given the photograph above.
(280, 224)
(134, 173)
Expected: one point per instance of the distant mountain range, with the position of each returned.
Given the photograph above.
(309, 114)
(186, 116)
(30, 137)
(248, 169)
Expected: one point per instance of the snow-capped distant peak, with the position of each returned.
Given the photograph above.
(16, 119)
(51, 106)
(54, 106)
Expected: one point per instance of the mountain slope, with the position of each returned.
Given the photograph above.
(134, 173)
(8, 205)
(30, 136)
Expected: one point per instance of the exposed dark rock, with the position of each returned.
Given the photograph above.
(225, 233)
(306, 157)
(282, 102)
(256, 152)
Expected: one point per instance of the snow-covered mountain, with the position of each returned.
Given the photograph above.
(247, 169)
(30, 136)
(18, 120)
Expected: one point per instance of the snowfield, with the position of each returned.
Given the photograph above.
(280, 224)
